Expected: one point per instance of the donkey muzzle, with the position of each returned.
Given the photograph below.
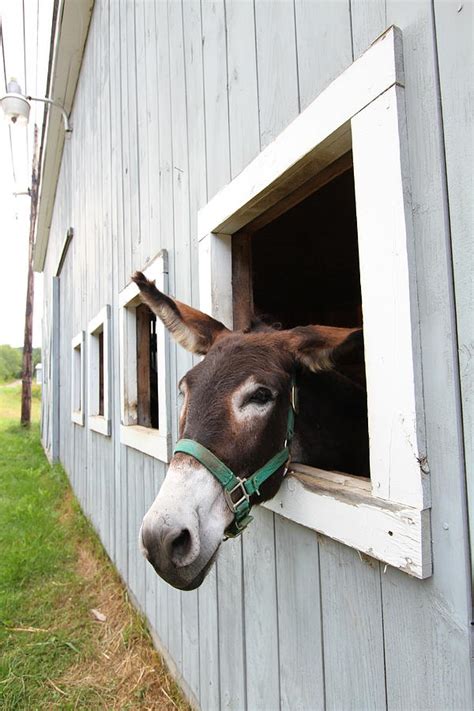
(184, 527)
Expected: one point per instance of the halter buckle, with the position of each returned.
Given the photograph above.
(231, 502)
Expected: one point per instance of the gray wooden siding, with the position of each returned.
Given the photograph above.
(174, 99)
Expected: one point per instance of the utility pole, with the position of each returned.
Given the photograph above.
(27, 370)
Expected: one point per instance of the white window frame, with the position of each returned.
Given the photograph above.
(77, 378)
(154, 442)
(387, 516)
(99, 324)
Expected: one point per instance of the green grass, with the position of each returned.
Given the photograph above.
(10, 403)
(34, 562)
(52, 572)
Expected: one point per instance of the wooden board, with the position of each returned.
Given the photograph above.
(323, 44)
(299, 617)
(277, 67)
(261, 615)
(351, 610)
(215, 95)
(454, 30)
(244, 126)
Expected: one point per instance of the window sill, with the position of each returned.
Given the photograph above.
(146, 440)
(99, 424)
(343, 507)
(77, 416)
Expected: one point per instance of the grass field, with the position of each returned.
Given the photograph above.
(54, 653)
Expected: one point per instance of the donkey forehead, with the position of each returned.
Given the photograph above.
(236, 359)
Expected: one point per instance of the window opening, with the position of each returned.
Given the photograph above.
(302, 267)
(147, 368)
(100, 337)
(77, 380)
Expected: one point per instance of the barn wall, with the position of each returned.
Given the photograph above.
(174, 99)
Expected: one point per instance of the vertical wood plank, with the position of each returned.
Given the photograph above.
(277, 67)
(54, 397)
(324, 44)
(436, 610)
(231, 626)
(152, 242)
(433, 670)
(352, 629)
(196, 128)
(242, 79)
(142, 68)
(165, 135)
(133, 239)
(261, 619)
(110, 460)
(299, 617)
(369, 20)
(454, 32)
(117, 271)
(215, 92)
(218, 174)
(125, 59)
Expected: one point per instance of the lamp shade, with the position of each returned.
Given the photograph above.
(15, 106)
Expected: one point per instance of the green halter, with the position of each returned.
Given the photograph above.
(238, 491)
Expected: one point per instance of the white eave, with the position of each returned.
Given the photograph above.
(67, 49)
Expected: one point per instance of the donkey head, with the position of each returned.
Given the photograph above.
(235, 403)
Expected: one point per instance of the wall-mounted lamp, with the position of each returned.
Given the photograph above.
(16, 106)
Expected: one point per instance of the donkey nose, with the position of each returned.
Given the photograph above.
(175, 544)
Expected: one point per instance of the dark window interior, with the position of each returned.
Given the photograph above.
(147, 368)
(302, 267)
(305, 264)
(101, 373)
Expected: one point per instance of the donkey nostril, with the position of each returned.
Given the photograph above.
(178, 545)
(182, 543)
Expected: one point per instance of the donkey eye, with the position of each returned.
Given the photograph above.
(261, 396)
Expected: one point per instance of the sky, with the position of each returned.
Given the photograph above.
(26, 27)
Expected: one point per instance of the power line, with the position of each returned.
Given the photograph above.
(3, 54)
(24, 47)
(26, 79)
(37, 47)
(5, 78)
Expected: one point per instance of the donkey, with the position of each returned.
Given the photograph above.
(235, 420)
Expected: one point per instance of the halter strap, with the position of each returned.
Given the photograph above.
(238, 491)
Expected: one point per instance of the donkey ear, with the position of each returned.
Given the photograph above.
(191, 328)
(325, 348)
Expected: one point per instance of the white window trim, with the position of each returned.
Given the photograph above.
(387, 517)
(154, 442)
(96, 422)
(77, 415)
